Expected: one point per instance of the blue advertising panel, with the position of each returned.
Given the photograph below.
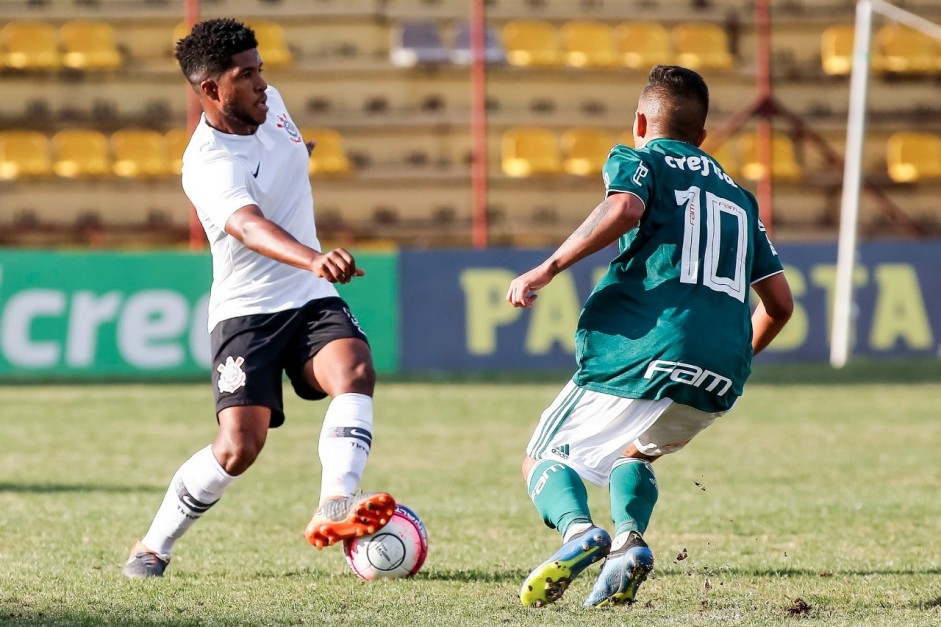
(454, 315)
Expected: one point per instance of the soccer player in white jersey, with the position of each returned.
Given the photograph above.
(664, 342)
(272, 307)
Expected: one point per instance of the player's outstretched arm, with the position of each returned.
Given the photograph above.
(249, 226)
(613, 217)
(772, 312)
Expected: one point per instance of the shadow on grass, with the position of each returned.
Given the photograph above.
(70, 619)
(58, 488)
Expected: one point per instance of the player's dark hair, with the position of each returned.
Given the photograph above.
(207, 51)
(683, 100)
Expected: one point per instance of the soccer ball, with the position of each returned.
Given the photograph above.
(397, 550)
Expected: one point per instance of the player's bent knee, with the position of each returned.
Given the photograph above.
(237, 456)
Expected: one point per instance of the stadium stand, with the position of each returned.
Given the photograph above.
(727, 157)
(531, 42)
(530, 151)
(80, 153)
(588, 44)
(913, 157)
(89, 46)
(176, 140)
(404, 132)
(23, 155)
(30, 45)
(784, 165)
(139, 153)
(461, 50)
(585, 150)
(836, 49)
(643, 44)
(329, 156)
(907, 51)
(701, 47)
(272, 43)
(418, 42)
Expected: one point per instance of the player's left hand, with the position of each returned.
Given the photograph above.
(522, 288)
(310, 146)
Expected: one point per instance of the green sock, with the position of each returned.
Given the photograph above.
(634, 493)
(559, 495)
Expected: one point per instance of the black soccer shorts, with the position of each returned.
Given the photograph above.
(251, 353)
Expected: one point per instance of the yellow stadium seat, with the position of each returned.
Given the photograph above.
(176, 140)
(29, 46)
(913, 156)
(726, 157)
(531, 43)
(138, 153)
(836, 49)
(588, 44)
(180, 31)
(701, 47)
(906, 50)
(24, 154)
(643, 45)
(80, 153)
(529, 151)
(329, 156)
(272, 44)
(89, 46)
(784, 164)
(585, 150)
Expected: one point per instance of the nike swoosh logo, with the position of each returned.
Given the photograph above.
(360, 433)
(255, 173)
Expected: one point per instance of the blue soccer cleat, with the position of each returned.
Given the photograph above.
(551, 578)
(622, 573)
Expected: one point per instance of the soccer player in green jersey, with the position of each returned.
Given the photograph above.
(664, 343)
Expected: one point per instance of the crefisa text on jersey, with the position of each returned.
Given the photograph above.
(702, 165)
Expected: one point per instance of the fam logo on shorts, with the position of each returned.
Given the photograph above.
(285, 122)
(231, 375)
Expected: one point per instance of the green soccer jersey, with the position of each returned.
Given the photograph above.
(671, 317)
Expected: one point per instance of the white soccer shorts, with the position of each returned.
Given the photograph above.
(589, 431)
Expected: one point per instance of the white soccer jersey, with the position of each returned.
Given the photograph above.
(223, 173)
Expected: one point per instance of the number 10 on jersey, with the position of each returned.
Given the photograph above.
(726, 240)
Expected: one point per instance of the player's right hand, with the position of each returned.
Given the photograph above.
(337, 266)
(522, 288)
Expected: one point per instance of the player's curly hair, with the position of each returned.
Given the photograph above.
(207, 51)
(683, 98)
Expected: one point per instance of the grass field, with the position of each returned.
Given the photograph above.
(815, 502)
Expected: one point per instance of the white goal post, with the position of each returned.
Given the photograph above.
(841, 336)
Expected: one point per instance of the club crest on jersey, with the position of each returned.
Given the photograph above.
(285, 122)
(231, 375)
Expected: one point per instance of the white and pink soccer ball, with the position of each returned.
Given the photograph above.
(397, 550)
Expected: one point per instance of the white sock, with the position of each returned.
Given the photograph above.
(345, 441)
(195, 487)
(574, 530)
(619, 540)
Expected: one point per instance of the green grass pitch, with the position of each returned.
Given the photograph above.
(815, 502)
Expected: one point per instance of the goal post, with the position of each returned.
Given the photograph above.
(841, 336)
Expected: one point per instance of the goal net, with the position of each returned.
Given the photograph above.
(842, 331)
